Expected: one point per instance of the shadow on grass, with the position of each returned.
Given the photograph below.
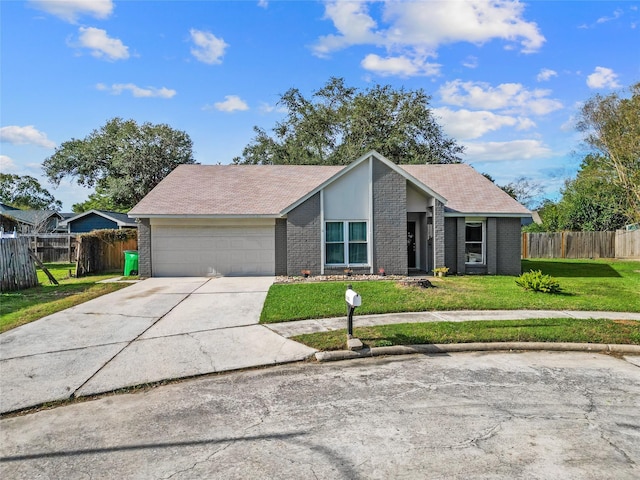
(571, 269)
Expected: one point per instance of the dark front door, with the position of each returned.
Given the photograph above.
(411, 244)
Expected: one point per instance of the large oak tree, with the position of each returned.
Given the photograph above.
(25, 192)
(340, 123)
(122, 159)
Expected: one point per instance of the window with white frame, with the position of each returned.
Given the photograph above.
(474, 242)
(346, 243)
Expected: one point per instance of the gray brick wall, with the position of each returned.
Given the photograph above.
(303, 237)
(438, 234)
(390, 220)
(451, 244)
(461, 232)
(281, 246)
(492, 246)
(509, 246)
(144, 247)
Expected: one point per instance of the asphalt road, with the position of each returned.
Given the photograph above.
(467, 415)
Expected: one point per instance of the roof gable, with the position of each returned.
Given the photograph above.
(121, 219)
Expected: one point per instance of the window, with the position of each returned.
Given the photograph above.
(346, 243)
(474, 242)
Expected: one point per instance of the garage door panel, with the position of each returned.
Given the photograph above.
(209, 251)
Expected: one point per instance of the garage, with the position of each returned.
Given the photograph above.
(209, 248)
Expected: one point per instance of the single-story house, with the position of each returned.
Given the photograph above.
(96, 220)
(208, 220)
(31, 221)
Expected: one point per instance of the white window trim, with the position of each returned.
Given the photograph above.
(483, 221)
(345, 242)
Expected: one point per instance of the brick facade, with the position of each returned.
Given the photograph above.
(389, 220)
(509, 246)
(303, 233)
(144, 247)
(281, 246)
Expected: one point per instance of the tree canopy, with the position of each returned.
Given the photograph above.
(611, 128)
(122, 159)
(25, 192)
(340, 123)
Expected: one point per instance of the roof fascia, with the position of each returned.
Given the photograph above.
(372, 153)
(487, 214)
(164, 215)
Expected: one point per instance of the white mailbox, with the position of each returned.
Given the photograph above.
(352, 298)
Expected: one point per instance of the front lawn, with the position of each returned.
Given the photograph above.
(24, 306)
(598, 285)
(538, 330)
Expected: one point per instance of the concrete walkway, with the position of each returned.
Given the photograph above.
(291, 329)
(158, 329)
(168, 328)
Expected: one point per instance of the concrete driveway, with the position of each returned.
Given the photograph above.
(157, 329)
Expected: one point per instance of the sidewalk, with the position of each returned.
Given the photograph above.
(291, 329)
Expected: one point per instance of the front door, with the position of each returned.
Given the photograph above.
(411, 244)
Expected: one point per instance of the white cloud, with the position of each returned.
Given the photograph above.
(470, 62)
(148, 92)
(231, 103)
(616, 14)
(546, 74)
(506, 151)
(27, 135)
(465, 124)
(263, 3)
(7, 165)
(208, 48)
(421, 28)
(70, 10)
(401, 66)
(603, 78)
(268, 108)
(508, 97)
(101, 45)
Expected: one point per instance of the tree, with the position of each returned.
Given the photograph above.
(525, 190)
(98, 200)
(592, 201)
(25, 192)
(122, 159)
(339, 124)
(611, 127)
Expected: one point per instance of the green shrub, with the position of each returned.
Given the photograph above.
(536, 281)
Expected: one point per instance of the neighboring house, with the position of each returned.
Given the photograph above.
(32, 221)
(205, 220)
(96, 220)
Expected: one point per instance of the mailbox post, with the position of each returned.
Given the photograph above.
(353, 300)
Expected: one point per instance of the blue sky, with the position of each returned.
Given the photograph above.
(506, 78)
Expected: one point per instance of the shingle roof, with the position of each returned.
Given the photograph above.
(266, 190)
(232, 189)
(466, 190)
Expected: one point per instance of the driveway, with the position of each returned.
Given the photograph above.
(466, 415)
(157, 329)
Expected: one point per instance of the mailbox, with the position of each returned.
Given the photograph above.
(352, 298)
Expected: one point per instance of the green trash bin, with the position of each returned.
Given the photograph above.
(130, 262)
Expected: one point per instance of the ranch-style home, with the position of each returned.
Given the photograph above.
(210, 220)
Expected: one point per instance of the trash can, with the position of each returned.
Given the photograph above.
(130, 262)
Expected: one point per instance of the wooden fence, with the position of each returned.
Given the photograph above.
(17, 270)
(620, 244)
(53, 247)
(628, 244)
(103, 251)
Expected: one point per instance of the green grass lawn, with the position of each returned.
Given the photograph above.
(599, 285)
(24, 306)
(538, 330)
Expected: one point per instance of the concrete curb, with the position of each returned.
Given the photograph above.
(476, 347)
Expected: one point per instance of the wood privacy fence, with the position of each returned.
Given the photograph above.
(53, 247)
(17, 270)
(103, 250)
(619, 244)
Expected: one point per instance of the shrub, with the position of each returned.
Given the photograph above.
(536, 281)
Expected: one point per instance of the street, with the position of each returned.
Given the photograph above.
(467, 415)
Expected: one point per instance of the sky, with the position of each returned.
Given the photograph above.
(506, 78)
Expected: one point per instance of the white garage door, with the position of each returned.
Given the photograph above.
(196, 250)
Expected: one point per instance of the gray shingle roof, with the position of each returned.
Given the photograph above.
(266, 190)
